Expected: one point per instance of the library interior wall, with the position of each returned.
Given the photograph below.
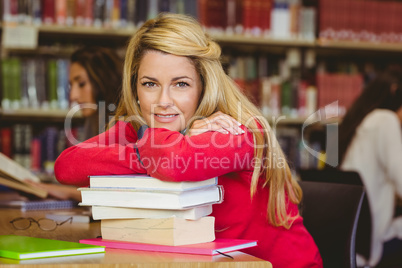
(280, 59)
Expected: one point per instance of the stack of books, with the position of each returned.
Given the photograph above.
(142, 209)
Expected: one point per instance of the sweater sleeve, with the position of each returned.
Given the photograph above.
(111, 152)
(390, 151)
(171, 156)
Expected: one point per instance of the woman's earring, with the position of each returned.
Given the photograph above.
(138, 101)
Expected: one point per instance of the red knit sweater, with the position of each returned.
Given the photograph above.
(171, 156)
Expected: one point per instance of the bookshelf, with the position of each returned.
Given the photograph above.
(308, 38)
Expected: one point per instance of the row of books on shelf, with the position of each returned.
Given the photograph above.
(276, 86)
(286, 92)
(96, 13)
(270, 18)
(371, 20)
(35, 83)
(302, 151)
(279, 19)
(35, 152)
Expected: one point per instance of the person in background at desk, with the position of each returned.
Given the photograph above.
(200, 126)
(95, 84)
(370, 142)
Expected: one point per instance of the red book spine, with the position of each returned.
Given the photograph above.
(202, 12)
(266, 8)
(355, 16)
(256, 6)
(61, 11)
(89, 12)
(35, 155)
(323, 19)
(48, 11)
(302, 89)
(394, 8)
(6, 141)
(79, 12)
(217, 11)
(247, 15)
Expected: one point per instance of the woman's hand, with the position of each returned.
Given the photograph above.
(58, 191)
(218, 122)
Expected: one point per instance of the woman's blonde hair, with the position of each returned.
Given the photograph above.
(181, 35)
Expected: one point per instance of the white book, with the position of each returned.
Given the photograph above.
(153, 199)
(169, 231)
(146, 182)
(104, 212)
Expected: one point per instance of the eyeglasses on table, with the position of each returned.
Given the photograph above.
(44, 224)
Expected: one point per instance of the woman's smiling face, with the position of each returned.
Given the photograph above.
(169, 90)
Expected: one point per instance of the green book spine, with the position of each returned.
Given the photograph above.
(52, 83)
(15, 75)
(6, 87)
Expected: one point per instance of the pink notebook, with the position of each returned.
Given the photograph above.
(211, 248)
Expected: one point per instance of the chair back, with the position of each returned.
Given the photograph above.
(363, 235)
(331, 213)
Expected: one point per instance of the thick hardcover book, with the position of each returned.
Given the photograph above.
(166, 231)
(210, 248)
(145, 182)
(103, 212)
(150, 198)
(24, 247)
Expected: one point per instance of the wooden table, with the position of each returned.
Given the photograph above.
(112, 257)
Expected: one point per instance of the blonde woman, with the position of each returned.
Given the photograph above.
(200, 126)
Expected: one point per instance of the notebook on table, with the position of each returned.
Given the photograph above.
(25, 247)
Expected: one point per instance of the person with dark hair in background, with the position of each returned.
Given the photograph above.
(370, 142)
(95, 85)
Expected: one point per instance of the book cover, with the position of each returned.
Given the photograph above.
(150, 199)
(146, 182)
(215, 247)
(165, 231)
(24, 247)
(104, 212)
